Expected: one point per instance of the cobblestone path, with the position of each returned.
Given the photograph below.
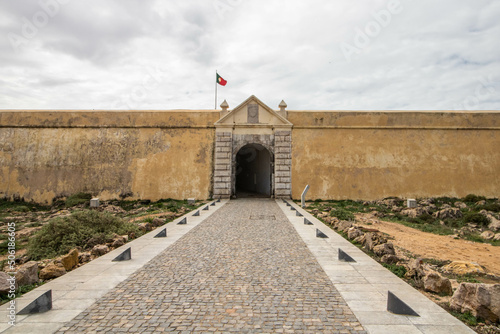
(244, 269)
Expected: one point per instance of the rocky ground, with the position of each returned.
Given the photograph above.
(447, 248)
(29, 219)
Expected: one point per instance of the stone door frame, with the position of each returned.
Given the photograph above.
(236, 149)
(227, 146)
(242, 126)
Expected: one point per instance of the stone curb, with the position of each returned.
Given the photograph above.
(364, 284)
(77, 290)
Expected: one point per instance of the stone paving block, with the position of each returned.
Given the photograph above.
(228, 274)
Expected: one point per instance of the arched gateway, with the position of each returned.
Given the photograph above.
(253, 171)
(253, 151)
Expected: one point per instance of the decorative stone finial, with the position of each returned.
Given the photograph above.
(283, 111)
(224, 105)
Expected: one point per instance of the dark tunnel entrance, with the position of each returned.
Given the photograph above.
(253, 171)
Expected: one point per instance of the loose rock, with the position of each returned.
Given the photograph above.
(487, 235)
(117, 243)
(414, 212)
(384, 249)
(84, 257)
(448, 213)
(463, 268)
(460, 205)
(373, 239)
(53, 270)
(145, 227)
(70, 260)
(27, 273)
(436, 283)
(99, 250)
(5, 283)
(481, 300)
(390, 259)
(157, 222)
(354, 232)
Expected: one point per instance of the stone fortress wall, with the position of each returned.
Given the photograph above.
(170, 154)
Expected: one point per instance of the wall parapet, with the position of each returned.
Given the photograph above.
(108, 119)
(432, 120)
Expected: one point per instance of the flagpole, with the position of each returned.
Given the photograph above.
(215, 90)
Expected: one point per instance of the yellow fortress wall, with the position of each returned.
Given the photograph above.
(137, 154)
(376, 154)
(161, 154)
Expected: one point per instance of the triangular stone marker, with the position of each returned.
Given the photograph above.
(343, 256)
(162, 234)
(397, 306)
(125, 256)
(205, 208)
(307, 222)
(320, 234)
(39, 305)
(183, 221)
(196, 214)
(298, 214)
(288, 204)
(284, 201)
(292, 208)
(213, 204)
(218, 201)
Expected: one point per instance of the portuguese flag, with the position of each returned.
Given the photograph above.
(221, 81)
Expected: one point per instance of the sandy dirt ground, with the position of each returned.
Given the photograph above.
(428, 245)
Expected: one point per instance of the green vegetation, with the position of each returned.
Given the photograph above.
(76, 199)
(494, 207)
(467, 279)
(342, 214)
(471, 198)
(466, 317)
(7, 206)
(476, 218)
(83, 229)
(399, 271)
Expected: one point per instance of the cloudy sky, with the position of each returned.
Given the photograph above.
(315, 54)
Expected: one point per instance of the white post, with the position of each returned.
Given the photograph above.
(303, 196)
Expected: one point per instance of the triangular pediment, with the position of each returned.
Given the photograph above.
(253, 112)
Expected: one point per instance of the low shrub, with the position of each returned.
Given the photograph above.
(424, 218)
(466, 317)
(80, 198)
(494, 207)
(82, 229)
(172, 206)
(342, 214)
(476, 218)
(471, 198)
(399, 271)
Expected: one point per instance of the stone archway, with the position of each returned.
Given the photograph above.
(253, 171)
(253, 126)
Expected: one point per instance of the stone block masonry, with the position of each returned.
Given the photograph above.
(283, 164)
(222, 172)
